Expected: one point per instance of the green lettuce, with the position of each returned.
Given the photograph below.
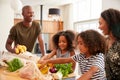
(14, 64)
(65, 69)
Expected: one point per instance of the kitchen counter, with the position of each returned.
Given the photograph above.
(6, 75)
(26, 58)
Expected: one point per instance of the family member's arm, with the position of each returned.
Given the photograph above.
(50, 55)
(89, 74)
(41, 44)
(9, 45)
(72, 53)
(56, 61)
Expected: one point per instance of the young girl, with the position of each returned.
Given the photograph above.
(91, 59)
(63, 43)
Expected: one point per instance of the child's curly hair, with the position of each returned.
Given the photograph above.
(94, 41)
(69, 35)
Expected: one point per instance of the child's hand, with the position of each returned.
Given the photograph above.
(42, 62)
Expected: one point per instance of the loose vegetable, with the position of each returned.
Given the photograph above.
(53, 70)
(14, 64)
(65, 69)
(45, 69)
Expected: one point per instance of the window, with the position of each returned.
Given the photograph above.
(86, 14)
(87, 24)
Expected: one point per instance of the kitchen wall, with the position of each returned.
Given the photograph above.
(6, 21)
(110, 4)
(68, 16)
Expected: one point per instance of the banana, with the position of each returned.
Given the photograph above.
(16, 50)
(24, 47)
(20, 49)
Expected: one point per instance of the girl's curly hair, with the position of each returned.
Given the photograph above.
(69, 35)
(94, 41)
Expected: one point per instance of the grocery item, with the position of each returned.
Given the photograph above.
(14, 64)
(43, 70)
(53, 70)
(20, 49)
(65, 69)
(46, 68)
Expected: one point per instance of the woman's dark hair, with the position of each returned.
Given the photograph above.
(112, 18)
(94, 41)
(68, 37)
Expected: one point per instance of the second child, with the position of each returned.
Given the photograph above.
(63, 45)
